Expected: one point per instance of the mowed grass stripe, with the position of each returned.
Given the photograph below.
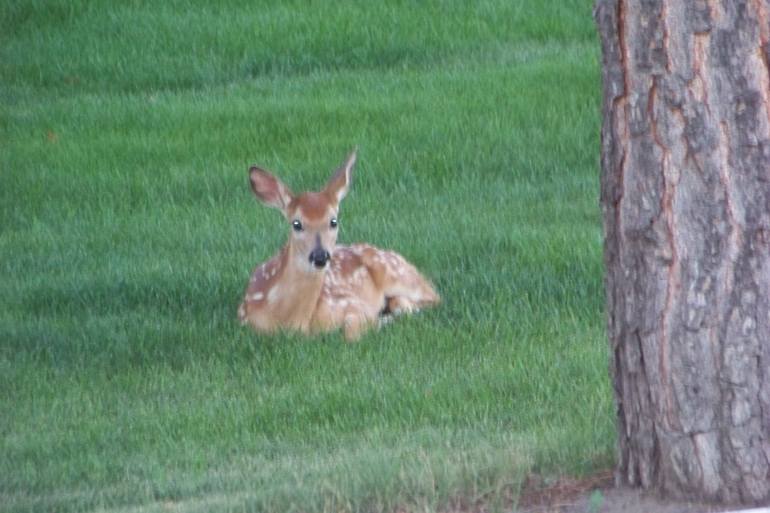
(80, 45)
(114, 145)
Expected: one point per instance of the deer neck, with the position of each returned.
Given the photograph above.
(295, 295)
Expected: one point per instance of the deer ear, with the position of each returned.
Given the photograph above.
(339, 184)
(269, 189)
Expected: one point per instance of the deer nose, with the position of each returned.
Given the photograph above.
(319, 257)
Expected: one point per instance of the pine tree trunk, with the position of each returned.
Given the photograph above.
(686, 207)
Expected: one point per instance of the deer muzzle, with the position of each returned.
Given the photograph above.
(319, 257)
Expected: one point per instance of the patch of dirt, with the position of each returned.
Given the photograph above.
(598, 494)
(540, 496)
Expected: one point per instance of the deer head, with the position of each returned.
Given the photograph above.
(312, 216)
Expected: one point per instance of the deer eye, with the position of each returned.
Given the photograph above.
(333, 222)
(296, 225)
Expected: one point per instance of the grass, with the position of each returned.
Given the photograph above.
(127, 234)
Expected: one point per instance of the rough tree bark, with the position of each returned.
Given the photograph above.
(686, 206)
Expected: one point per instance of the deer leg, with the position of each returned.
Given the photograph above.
(401, 305)
(354, 325)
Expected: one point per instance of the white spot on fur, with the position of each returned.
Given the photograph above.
(257, 296)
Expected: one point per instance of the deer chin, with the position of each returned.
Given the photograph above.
(310, 268)
(314, 269)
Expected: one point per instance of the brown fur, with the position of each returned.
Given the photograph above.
(358, 284)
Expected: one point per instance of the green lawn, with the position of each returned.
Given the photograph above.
(128, 233)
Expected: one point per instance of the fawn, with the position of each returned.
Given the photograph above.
(314, 285)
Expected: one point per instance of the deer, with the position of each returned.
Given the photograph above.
(313, 285)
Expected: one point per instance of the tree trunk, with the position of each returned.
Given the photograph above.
(686, 206)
